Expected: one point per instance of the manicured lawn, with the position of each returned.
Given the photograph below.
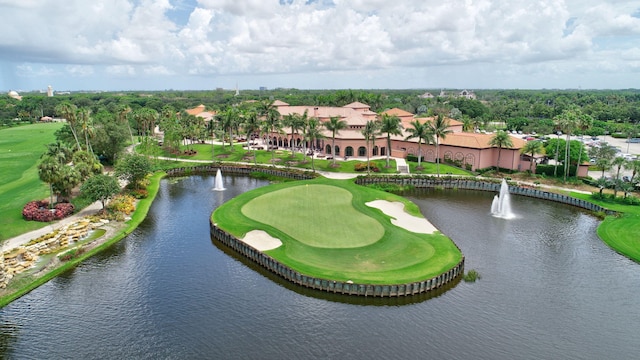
(20, 151)
(284, 158)
(621, 233)
(355, 250)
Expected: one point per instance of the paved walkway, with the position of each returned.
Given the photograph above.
(22, 239)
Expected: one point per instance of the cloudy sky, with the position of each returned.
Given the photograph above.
(318, 44)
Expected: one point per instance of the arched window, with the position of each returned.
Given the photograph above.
(383, 151)
(327, 149)
(470, 159)
(337, 150)
(430, 156)
(362, 151)
(375, 150)
(348, 151)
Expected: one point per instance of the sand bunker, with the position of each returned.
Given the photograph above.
(402, 219)
(260, 240)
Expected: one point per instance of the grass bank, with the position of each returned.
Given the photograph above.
(316, 207)
(621, 233)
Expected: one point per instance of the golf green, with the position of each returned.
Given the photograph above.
(328, 231)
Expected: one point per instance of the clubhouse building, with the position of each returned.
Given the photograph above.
(468, 150)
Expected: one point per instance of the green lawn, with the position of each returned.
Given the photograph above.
(284, 158)
(621, 233)
(355, 250)
(20, 151)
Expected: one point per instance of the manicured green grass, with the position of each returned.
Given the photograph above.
(283, 157)
(398, 256)
(318, 213)
(20, 151)
(621, 233)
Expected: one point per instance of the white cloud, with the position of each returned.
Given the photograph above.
(128, 38)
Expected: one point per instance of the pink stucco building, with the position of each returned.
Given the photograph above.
(467, 149)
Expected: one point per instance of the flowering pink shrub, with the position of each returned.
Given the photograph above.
(39, 211)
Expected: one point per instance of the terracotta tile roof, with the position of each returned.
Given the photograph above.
(357, 105)
(196, 110)
(466, 140)
(397, 112)
(280, 103)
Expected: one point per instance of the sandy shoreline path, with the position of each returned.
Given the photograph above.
(403, 219)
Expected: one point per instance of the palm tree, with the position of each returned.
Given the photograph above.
(370, 132)
(390, 125)
(335, 124)
(123, 112)
(532, 148)
(229, 120)
(423, 133)
(618, 162)
(84, 116)
(439, 128)
(271, 118)
(296, 122)
(634, 166)
(251, 124)
(584, 123)
(313, 133)
(68, 111)
(500, 139)
(49, 172)
(567, 121)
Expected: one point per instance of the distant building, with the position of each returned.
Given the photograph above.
(49, 91)
(199, 111)
(14, 95)
(467, 94)
(263, 88)
(426, 95)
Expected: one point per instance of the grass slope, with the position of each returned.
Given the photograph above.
(20, 151)
(621, 233)
(398, 256)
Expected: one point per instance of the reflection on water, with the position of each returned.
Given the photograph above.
(549, 289)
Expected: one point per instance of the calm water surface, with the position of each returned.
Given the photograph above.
(550, 289)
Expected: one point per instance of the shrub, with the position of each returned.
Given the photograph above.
(39, 211)
(139, 193)
(471, 276)
(125, 204)
(362, 166)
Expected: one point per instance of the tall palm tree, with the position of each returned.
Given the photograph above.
(390, 125)
(567, 122)
(584, 123)
(618, 162)
(49, 172)
(251, 124)
(423, 133)
(84, 117)
(335, 124)
(440, 129)
(295, 122)
(271, 116)
(68, 111)
(313, 132)
(229, 119)
(501, 139)
(123, 112)
(370, 131)
(532, 148)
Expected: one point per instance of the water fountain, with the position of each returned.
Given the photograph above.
(501, 205)
(218, 185)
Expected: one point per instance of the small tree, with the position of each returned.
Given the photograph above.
(100, 187)
(133, 168)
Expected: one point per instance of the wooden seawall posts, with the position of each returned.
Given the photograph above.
(333, 286)
(468, 184)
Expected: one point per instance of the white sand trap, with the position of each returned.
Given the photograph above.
(402, 219)
(260, 240)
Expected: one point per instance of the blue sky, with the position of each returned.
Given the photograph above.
(206, 44)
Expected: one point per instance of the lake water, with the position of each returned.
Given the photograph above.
(550, 289)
